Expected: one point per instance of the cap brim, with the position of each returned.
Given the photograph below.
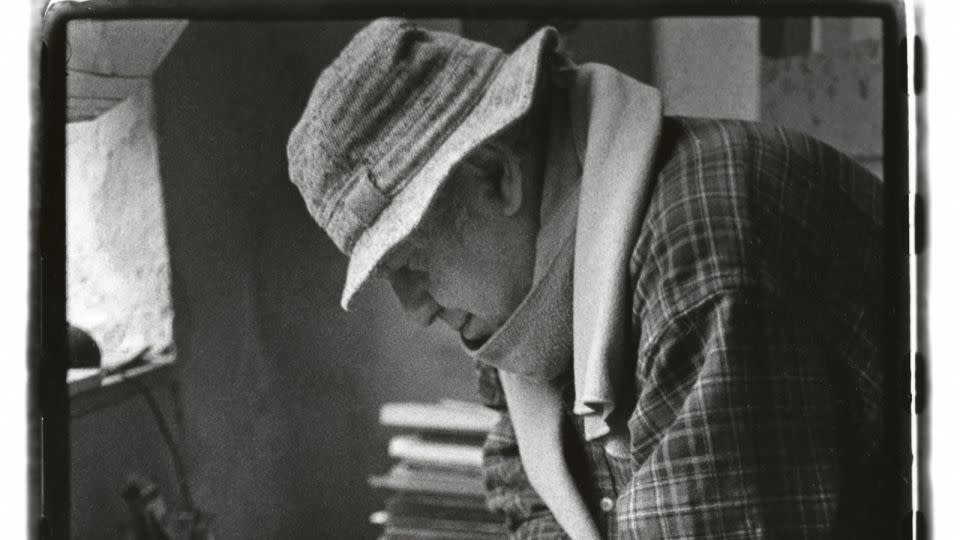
(508, 97)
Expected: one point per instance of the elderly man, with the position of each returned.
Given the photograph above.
(679, 318)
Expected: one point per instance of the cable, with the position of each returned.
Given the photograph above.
(167, 435)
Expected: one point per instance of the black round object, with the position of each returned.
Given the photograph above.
(84, 351)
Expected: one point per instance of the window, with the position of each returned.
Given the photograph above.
(118, 268)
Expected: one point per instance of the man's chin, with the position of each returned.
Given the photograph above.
(474, 343)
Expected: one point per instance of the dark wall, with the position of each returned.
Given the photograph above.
(107, 446)
(280, 387)
(624, 44)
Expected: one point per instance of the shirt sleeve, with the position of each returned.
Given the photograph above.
(735, 433)
(761, 364)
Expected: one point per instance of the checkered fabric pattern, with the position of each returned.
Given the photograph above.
(759, 371)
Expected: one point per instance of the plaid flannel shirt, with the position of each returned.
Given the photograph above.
(759, 371)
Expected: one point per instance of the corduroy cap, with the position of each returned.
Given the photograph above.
(389, 119)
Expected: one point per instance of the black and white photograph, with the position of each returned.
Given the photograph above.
(477, 275)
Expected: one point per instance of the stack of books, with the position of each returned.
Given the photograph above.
(435, 488)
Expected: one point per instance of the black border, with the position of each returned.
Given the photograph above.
(48, 405)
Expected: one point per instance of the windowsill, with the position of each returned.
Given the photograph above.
(90, 389)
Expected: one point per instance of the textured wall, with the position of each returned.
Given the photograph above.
(708, 66)
(118, 289)
(835, 95)
(118, 285)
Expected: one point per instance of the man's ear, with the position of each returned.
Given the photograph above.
(510, 188)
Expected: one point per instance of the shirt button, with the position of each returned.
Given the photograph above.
(606, 504)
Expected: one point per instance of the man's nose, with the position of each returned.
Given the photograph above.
(409, 286)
